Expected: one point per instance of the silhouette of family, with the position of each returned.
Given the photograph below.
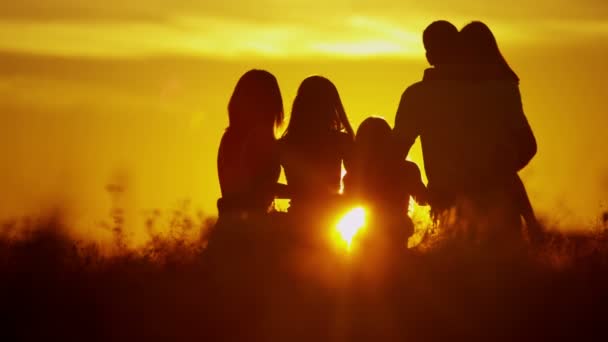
(466, 110)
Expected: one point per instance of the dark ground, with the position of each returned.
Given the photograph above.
(265, 282)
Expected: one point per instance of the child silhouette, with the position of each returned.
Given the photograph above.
(382, 180)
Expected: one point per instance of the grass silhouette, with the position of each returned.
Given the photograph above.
(270, 280)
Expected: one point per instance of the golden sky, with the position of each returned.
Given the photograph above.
(137, 90)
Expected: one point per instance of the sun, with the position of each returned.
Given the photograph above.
(351, 224)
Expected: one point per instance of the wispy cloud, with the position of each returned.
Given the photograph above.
(272, 28)
(355, 36)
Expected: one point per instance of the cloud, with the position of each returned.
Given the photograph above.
(538, 10)
(578, 28)
(316, 10)
(158, 10)
(273, 28)
(211, 36)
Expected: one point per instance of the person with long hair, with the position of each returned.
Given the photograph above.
(468, 113)
(316, 143)
(248, 162)
(500, 112)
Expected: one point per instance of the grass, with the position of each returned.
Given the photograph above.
(275, 279)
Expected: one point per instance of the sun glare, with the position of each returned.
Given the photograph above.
(350, 224)
(342, 174)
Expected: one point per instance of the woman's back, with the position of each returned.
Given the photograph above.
(498, 128)
(504, 132)
(313, 167)
(248, 169)
(317, 140)
(247, 161)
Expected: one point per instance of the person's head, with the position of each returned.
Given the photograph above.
(480, 49)
(440, 41)
(256, 102)
(374, 140)
(317, 109)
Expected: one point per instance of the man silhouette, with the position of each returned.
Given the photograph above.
(434, 110)
(461, 133)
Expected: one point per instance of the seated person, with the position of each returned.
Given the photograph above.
(248, 161)
(382, 181)
(316, 143)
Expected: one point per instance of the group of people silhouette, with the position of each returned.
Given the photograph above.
(466, 110)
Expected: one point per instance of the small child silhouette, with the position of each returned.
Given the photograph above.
(382, 180)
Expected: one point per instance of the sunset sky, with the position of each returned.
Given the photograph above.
(134, 91)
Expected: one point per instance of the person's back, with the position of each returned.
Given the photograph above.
(509, 141)
(248, 168)
(504, 138)
(499, 111)
(385, 192)
(438, 110)
(247, 162)
(317, 142)
(380, 180)
(466, 128)
(314, 168)
(474, 138)
(387, 187)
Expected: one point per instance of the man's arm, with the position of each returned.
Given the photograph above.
(407, 125)
(522, 135)
(415, 185)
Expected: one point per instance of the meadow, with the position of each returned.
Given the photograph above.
(268, 280)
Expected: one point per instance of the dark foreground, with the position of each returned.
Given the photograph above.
(266, 283)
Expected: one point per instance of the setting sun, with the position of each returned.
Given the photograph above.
(351, 224)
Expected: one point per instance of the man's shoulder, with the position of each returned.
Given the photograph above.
(431, 78)
(414, 91)
(437, 88)
(227, 139)
(424, 89)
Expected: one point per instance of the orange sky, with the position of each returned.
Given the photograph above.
(92, 90)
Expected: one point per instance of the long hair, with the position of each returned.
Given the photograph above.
(317, 109)
(480, 49)
(256, 102)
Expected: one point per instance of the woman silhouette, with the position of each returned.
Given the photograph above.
(382, 180)
(248, 164)
(317, 141)
(515, 143)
